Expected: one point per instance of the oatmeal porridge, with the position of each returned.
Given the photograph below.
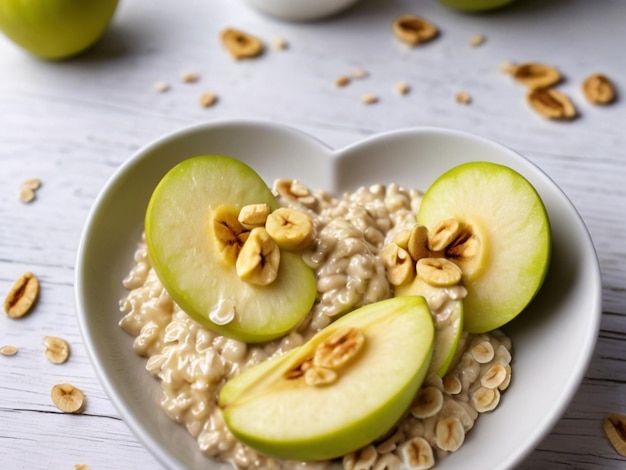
(193, 363)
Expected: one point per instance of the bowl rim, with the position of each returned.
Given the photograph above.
(164, 456)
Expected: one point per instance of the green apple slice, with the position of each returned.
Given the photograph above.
(448, 320)
(193, 266)
(505, 249)
(274, 409)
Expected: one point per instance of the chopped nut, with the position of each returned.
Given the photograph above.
(189, 77)
(161, 86)
(477, 40)
(414, 30)
(536, 75)
(551, 104)
(207, 99)
(615, 430)
(339, 348)
(438, 272)
(68, 398)
(57, 349)
(241, 45)
(290, 229)
(22, 296)
(463, 97)
(369, 98)
(342, 81)
(598, 89)
(259, 258)
(279, 43)
(401, 88)
(8, 350)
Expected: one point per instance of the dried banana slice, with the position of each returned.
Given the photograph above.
(536, 75)
(414, 30)
(241, 45)
(551, 104)
(599, 89)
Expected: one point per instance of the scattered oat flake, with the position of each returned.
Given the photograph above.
(189, 77)
(279, 43)
(477, 40)
(68, 398)
(27, 194)
(57, 349)
(369, 98)
(402, 88)
(22, 295)
(208, 99)
(463, 98)
(28, 188)
(161, 86)
(359, 73)
(8, 350)
(342, 81)
(81, 466)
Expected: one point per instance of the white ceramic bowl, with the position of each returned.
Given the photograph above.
(301, 10)
(553, 339)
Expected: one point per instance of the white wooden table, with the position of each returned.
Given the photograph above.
(71, 124)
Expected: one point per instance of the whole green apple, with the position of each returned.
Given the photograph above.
(475, 5)
(55, 29)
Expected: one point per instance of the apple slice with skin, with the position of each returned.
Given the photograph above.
(448, 320)
(504, 250)
(275, 409)
(191, 264)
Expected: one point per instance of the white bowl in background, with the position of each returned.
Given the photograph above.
(553, 339)
(301, 10)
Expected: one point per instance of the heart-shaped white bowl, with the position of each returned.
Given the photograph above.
(553, 339)
(301, 10)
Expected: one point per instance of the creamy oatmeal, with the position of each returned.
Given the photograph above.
(192, 363)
